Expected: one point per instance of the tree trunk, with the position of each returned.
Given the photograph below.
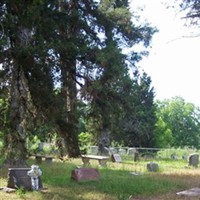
(16, 138)
(68, 121)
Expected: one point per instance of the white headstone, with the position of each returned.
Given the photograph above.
(122, 151)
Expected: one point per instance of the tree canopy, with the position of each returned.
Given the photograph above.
(178, 123)
(54, 53)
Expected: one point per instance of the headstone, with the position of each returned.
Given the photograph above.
(103, 148)
(131, 151)
(152, 167)
(116, 158)
(85, 174)
(184, 157)
(18, 178)
(194, 160)
(122, 151)
(93, 150)
(136, 156)
(174, 156)
(113, 150)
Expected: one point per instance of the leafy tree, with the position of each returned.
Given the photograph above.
(163, 135)
(182, 120)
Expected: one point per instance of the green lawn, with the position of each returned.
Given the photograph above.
(116, 182)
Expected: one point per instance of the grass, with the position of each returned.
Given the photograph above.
(116, 181)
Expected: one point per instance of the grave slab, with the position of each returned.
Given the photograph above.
(191, 193)
(85, 174)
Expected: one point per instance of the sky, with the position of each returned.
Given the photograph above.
(174, 62)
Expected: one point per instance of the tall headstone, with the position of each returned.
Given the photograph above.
(136, 155)
(104, 143)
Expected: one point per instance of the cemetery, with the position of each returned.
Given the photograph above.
(155, 174)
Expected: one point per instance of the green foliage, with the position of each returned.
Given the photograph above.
(48, 149)
(85, 141)
(21, 192)
(178, 123)
(137, 116)
(163, 136)
(116, 181)
(1, 145)
(34, 145)
(177, 153)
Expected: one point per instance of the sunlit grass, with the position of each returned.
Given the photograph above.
(116, 182)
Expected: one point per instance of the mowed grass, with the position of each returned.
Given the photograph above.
(116, 182)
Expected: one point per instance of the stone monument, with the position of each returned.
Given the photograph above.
(18, 178)
(34, 173)
(152, 167)
(194, 160)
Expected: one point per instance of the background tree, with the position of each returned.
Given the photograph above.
(182, 120)
(139, 113)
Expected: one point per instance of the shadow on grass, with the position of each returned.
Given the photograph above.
(116, 183)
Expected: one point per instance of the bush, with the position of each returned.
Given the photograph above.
(85, 141)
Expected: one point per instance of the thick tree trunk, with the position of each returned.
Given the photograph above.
(16, 149)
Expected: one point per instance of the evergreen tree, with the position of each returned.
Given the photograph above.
(50, 44)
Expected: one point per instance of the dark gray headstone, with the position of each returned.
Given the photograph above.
(85, 174)
(104, 142)
(18, 178)
(194, 160)
(136, 156)
(152, 167)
